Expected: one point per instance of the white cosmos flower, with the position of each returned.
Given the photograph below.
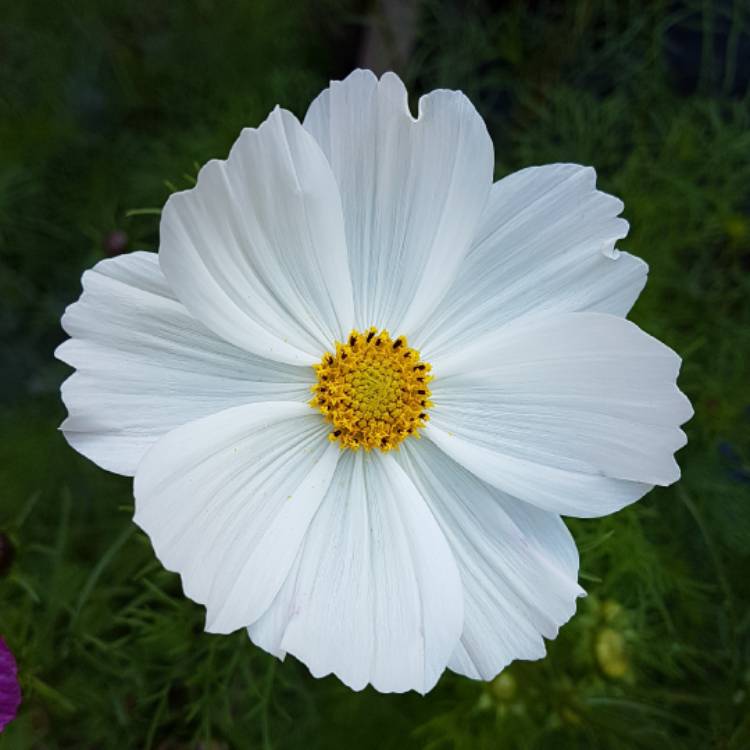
(194, 371)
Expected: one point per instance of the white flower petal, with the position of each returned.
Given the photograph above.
(412, 190)
(145, 365)
(545, 245)
(578, 413)
(375, 596)
(227, 501)
(256, 251)
(518, 564)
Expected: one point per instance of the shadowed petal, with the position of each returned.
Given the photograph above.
(412, 190)
(545, 245)
(144, 365)
(375, 595)
(577, 413)
(256, 251)
(518, 564)
(227, 500)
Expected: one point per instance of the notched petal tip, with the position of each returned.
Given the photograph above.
(394, 89)
(359, 75)
(60, 350)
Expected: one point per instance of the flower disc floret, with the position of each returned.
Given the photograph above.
(374, 391)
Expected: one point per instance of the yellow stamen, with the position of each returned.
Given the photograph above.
(373, 390)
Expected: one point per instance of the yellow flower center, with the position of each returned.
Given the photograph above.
(373, 390)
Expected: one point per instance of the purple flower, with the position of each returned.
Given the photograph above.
(10, 691)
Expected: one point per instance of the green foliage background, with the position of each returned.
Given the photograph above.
(106, 107)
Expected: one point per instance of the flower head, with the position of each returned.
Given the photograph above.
(334, 290)
(10, 690)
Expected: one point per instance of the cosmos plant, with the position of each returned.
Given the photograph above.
(359, 385)
(10, 690)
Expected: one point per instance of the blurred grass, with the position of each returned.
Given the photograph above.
(104, 107)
